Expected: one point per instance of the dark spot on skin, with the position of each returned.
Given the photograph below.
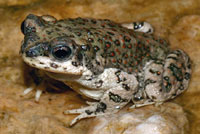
(167, 86)
(97, 62)
(159, 62)
(85, 47)
(111, 33)
(96, 48)
(90, 39)
(158, 72)
(119, 61)
(138, 98)
(174, 58)
(33, 65)
(117, 73)
(152, 71)
(127, 39)
(89, 66)
(166, 78)
(181, 87)
(53, 65)
(101, 107)
(89, 33)
(178, 53)
(129, 46)
(148, 81)
(117, 42)
(108, 44)
(187, 76)
(153, 97)
(41, 63)
(103, 55)
(74, 63)
(49, 32)
(89, 78)
(177, 72)
(100, 41)
(88, 112)
(112, 54)
(116, 98)
(124, 79)
(125, 55)
(99, 83)
(148, 31)
(126, 87)
(80, 56)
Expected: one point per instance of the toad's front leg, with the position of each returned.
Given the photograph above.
(111, 102)
(38, 84)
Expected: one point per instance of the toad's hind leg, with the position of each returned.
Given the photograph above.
(111, 102)
(177, 72)
(166, 79)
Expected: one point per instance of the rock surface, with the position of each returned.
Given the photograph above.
(178, 21)
(166, 119)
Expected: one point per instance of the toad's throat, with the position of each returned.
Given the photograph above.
(62, 77)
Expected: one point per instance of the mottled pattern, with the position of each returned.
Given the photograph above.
(105, 61)
(122, 48)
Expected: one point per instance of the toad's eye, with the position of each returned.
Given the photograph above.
(61, 52)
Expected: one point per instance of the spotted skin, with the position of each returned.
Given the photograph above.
(105, 61)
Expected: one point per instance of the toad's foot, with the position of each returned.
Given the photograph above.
(95, 109)
(139, 27)
(38, 93)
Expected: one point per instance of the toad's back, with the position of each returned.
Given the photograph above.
(108, 44)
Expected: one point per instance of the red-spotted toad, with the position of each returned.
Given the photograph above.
(105, 61)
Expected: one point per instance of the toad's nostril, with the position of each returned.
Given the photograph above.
(31, 53)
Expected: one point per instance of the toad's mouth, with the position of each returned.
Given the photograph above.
(48, 65)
